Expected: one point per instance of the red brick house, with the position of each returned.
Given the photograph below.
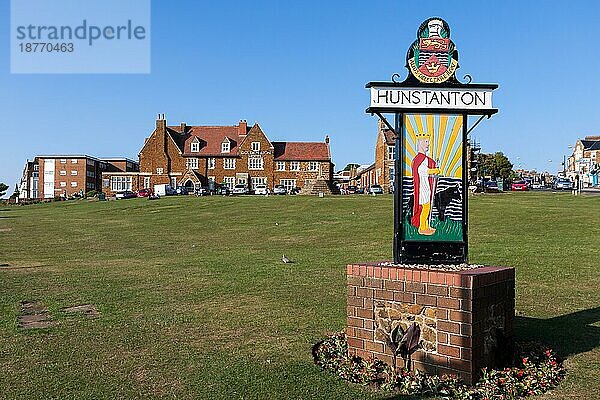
(381, 172)
(195, 156)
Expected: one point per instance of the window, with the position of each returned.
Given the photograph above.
(105, 183)
(73, 161)
(91, 174)
(73, 172)
(280, 165)
(192, 163)
(63, 173)
(225, 147)
(36, 167)
(63, 160)
(63, 184)
(73, 184)
(211, 163)
(195, 147)
(229, 181)
(120, 183)
(159, 171)
(146, 182)
(255, 146)
(288, 183)
(229, 163)
(295, 166)
(391, 152)
(313, 166)
(258, 181)
(255, 162)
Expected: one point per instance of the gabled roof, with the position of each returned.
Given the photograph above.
(301, 151)
(210, 138)
(591, 144)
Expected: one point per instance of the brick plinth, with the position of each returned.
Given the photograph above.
(466, 317)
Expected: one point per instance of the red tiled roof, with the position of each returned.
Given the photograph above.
(209, 137)
(301, 151)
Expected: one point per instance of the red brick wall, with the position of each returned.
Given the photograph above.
(469, 306)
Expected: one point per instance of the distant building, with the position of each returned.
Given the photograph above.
(202, 156)
(49, 176)
(584, 163)
(381, 172)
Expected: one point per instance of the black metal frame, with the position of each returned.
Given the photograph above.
(428, 252)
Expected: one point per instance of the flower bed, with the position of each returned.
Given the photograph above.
(535, 370)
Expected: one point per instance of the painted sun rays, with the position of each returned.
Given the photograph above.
(445, 145)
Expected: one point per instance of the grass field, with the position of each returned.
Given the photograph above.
(196, 303)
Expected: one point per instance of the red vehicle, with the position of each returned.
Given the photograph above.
(144, 193)
(519, 186)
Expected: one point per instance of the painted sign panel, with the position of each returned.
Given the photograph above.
(430, 98)
(432, 177)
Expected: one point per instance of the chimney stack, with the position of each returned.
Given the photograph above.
(183, 126)
(327, 139)
(161, 123)
(242, 127)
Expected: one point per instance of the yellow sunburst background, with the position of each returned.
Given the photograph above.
(445, 146)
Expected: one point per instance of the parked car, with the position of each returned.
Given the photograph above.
(144, 193)
(240, 188)
(538, 185)
(126, 194)
(279, 189)
(260, 189)
(376, 189)
(563, 184)
(491, 187)
(222, 189)
(164, 190)
(519, 186)
(202, 191)
(352, 190)
(181, 190)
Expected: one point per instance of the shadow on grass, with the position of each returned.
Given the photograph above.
(567, 335)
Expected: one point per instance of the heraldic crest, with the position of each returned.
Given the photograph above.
(433, 58)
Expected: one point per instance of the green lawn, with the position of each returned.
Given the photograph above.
(196, 303)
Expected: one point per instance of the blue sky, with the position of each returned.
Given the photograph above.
(299, 69)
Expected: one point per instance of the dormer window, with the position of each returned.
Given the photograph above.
(195, 147)
(225, 146)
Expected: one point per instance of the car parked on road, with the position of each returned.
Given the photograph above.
(126, 194)
(181, 190)
(491, 187)
(222, 189)
(240, 188)
(260, 189)
(144, 193)
(279, 189)
(375, 189)
(563, 184)
(519, 186)
(352, 190)
(202, 191)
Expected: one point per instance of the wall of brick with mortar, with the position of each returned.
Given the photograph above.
(471, 307)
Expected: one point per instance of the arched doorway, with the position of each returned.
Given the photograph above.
(189, 186)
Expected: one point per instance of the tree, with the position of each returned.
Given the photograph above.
(496, 165)
(350, 166)
(15, 193)
(3, 189)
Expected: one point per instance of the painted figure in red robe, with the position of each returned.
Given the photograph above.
(424, 169)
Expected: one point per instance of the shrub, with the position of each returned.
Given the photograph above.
(91, 193)
(535, 371)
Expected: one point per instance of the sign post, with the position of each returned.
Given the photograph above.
(431, 109)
